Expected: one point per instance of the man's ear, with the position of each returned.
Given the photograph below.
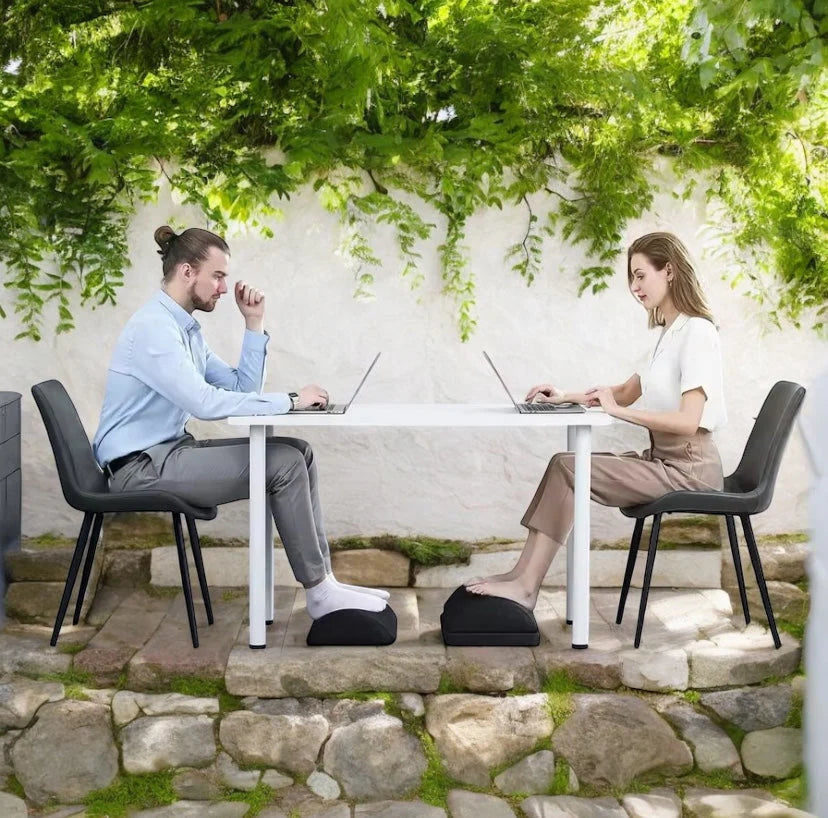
(187, 270)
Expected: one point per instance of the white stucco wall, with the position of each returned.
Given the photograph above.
(455, 483)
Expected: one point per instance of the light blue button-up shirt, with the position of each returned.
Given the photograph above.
(163, 373)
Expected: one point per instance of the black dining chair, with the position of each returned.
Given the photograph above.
(86, 489)
(747, 491)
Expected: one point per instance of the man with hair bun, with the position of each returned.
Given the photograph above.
(163, 373)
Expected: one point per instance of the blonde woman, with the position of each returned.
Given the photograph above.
(682, 404)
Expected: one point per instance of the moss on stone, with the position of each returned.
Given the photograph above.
(198, 686)
(76, 692)
(448, 685)
(67, 677)
(436, 783)
(425, 551)
(793, 790)
(258, 798)
(71, 648)
(559, 687)
(49, 539)
(130, 792)
(14, 786)
(792, 628)
(795, 716)
(784, 537)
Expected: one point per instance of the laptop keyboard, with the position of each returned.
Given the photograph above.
(544, 407)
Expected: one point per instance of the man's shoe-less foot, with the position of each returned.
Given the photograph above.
(328, 597)
(378, 592)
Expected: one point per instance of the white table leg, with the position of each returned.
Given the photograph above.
(258, 523)
(570, 564)
(580, 555)
(269, 615)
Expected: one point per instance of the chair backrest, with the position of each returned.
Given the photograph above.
(77, 468)
(762, 456)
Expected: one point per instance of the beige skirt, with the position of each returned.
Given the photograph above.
(672, 463)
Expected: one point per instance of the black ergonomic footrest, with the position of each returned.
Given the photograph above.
(473, 619)
(351, 626)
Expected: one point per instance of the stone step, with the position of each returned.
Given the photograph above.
(37, 581)
(684, 567)
(689, 641)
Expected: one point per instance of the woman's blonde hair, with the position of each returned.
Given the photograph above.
(661, 248)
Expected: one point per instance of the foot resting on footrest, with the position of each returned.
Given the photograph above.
(472, 619)
(351, 626)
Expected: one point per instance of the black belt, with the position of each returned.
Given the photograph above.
(119, 462)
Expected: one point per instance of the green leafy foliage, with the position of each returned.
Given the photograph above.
(569, 108)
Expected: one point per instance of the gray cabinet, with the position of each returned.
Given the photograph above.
(10, 484)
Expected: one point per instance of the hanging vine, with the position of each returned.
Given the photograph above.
(562, 108)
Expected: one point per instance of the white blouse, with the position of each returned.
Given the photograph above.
(686, 356)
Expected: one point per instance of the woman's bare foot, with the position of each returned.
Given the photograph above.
(507, 577)
(511, 589)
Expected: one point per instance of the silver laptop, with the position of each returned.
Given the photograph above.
(338, 408)
(535, 408)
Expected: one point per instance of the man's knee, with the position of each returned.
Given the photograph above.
(285, 464)
(301, 446)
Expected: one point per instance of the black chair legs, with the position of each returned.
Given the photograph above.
(760, 577)
(737, 564)
(74, 566)
(87, 566)
(185, 577)
(648, 575)
(195, 544)
(631, 557)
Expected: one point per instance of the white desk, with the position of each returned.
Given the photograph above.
(578, 439)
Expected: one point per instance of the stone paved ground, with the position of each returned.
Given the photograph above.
(697, 711)
(692, 639)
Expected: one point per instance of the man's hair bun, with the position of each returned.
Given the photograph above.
(164, 237)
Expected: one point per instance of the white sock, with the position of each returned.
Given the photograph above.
(360, 589)
(328, 596)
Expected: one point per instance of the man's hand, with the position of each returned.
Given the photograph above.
(545, 393)
(251, 304)
(312, 395)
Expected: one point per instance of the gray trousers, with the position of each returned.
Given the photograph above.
(212, 472)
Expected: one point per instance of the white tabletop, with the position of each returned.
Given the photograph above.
(428, 414)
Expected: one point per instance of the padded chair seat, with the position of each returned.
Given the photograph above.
(145, 500)
(695, 502)
(351, 626)
(473, 619)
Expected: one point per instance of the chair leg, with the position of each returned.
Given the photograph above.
(648, 575)
(185, 577)
(195, 544)
(760, 577)
(737, 564)
(74, 566)
(87, 565)
(631, 557)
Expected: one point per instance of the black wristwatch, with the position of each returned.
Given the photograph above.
(294, 397)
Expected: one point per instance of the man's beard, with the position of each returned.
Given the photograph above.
(200, 304)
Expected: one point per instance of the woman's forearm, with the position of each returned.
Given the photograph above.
(676, 423)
